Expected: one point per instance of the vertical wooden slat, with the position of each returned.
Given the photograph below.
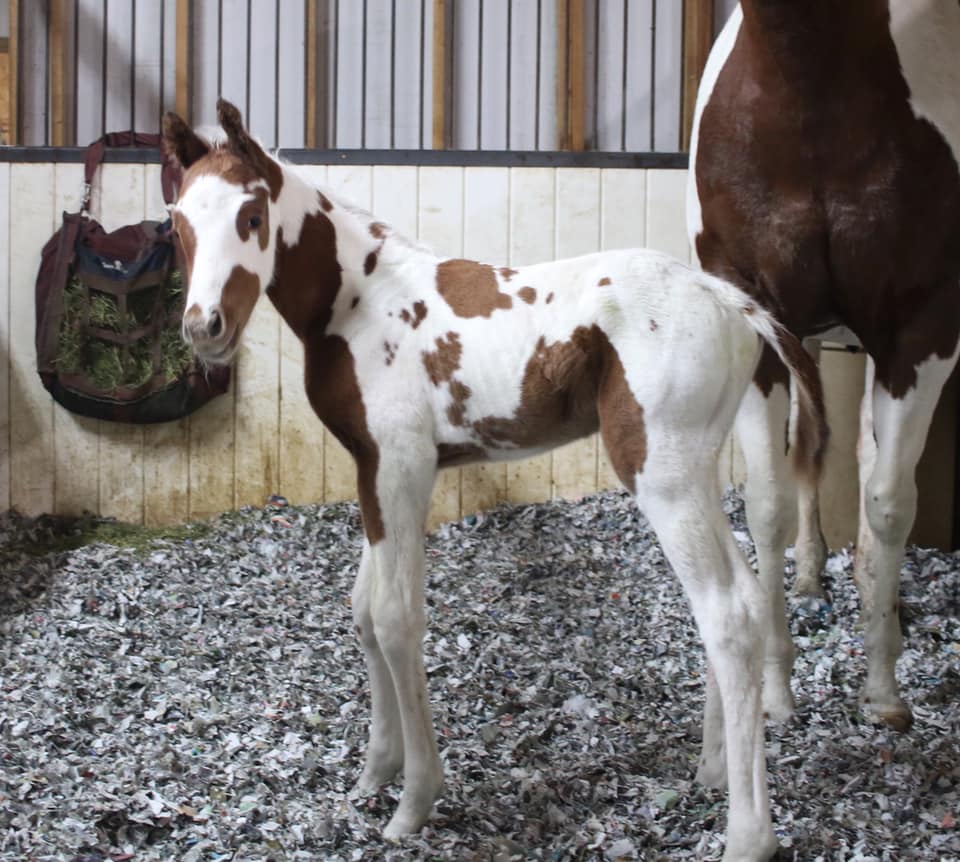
(183, 59)
(441, 227)
(31, 410)
(76, 438)
(486, 237)
(58, 60)
(122, 202)
(166, 446)
(578, 232)
(563, 75)
(440, 62)
(697, 39)
(14, 73)
(5, 338)
(532, 223)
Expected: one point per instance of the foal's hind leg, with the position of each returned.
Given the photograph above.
(683, 506)
(771, 504)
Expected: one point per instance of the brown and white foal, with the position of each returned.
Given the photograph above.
(416, 362)
(825, 182)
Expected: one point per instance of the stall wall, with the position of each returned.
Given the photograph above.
(261, 438)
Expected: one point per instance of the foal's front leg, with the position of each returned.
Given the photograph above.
(390, 589)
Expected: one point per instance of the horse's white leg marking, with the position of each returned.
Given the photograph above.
(866, 460)
(385, 749)
(810, 548)
(405, 477)
(771, 504)
(682, 502)
(890, 503)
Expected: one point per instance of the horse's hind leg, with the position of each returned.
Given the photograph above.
(900, 424)
(683, 506)
(811, 548)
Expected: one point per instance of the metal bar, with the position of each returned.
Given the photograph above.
(480, 78)
(163, 58)
(184, 59)
(310, 73)
(276, 73)
(421, 81)
(429, 158)
(363, 81)
(653, 73)
(509, 66)
(133, 64)
(103, 68)
(697, 38)
(596, 74)
(75, 107)
(393, 73)
(563, 72)
(336, 69)
(219, 47)
(246, 83)
(623, 80)
(536, 94)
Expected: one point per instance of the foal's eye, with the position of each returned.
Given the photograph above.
(256, 221)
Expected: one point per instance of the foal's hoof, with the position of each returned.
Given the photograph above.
(808, 586)
(712, 771)
(413, 811)
(893, 713)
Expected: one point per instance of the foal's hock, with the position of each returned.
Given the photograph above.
(416, 362)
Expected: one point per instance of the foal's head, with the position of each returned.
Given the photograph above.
(223, 217)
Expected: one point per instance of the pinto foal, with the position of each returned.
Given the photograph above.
(416, 362)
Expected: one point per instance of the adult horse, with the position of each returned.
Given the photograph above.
(825, 183)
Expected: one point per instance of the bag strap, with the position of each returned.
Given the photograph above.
(169, 174)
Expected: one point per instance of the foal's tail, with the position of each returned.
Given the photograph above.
(811, 430)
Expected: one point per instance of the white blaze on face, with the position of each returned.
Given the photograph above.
(211, 206)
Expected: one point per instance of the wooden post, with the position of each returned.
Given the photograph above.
(183, 59)
(697, 39)
(13, 73)
(312, 40)
(58, 62)
(571, 75)
(440, 61)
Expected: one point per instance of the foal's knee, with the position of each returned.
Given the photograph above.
(891, 507)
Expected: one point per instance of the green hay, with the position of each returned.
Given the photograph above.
(67, 534)
(109, 366)
(104, 312)
(103, 365)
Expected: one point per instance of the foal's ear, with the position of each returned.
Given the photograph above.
(247, 148)
(181, 141)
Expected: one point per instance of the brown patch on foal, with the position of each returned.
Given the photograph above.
(370, 263)
(255, 209)
(457, 411)
(549, 298)
(471, 289)
(239, 296)
(621, 422)
(604, 282)
(528, 295)
(418, 315)
(378, 230)
(506, 273)
(558, 395)
(442, 363)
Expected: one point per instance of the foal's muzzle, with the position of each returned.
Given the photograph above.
(208, 334)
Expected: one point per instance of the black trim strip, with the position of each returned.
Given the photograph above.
(427, 158)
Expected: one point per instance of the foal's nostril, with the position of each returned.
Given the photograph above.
(215, 325)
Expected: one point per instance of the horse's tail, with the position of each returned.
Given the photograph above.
(811, 431)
